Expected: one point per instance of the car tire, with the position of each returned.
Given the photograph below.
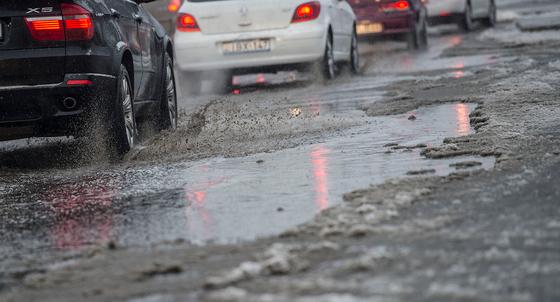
(492, 18)
(418, 37)
(467, 23)
(168, 104)
(423, 41)
(328, 63)
(325, 69)
(354, 54)
(123, 131)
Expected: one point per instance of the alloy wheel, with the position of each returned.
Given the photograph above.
(329, 60)
(355, 54)
(171, 97)
(128, 113)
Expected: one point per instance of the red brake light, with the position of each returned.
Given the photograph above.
(400, 5)
(186, 22)
(78, 82)
(75, 24)
(307, 12)
(46, 28)
(174, 5)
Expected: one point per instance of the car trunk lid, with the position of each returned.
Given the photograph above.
(364, 8)
(231, 16)
(23, 59)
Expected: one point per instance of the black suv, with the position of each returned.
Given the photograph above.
(70, 66)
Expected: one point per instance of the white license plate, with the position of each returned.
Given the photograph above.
(1, 31)
(369, 28)
(246, 46)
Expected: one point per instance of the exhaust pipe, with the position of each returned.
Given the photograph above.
(70, 103)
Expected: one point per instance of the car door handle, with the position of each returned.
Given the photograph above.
(138, 18)
(115, 13)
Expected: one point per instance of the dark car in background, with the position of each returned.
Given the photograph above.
(69, 65)
(392, 19)
(165, 11)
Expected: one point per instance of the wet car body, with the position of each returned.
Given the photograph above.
(211, 34)
(62, 59)
(392, 19)
(462, 12)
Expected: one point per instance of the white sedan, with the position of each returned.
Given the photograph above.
(252, 35)
(462, 12)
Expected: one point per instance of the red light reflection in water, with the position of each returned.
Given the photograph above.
(455, 40)
(406, 62)
(320, 174)
(458, 73)
(314, 105)
(196, 197)
(463, 123)
(83, 213)
(458, 65)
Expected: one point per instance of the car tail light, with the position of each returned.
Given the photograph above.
(75, 24)
(46, 28)
(307, 12)
(186, 22)
(78, 23)
(174, 5)
(401, 5)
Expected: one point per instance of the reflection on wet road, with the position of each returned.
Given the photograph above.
(231, 199)
(392, 61)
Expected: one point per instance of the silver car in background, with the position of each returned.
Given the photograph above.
(233, 36)
(462, 12)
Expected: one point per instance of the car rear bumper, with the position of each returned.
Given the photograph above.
(40, 108)
(298, 43)
(397, 23)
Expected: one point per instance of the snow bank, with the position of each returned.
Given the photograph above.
(513, 36)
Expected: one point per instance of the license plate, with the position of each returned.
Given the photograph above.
(246, 46)
(1, 31)
(369, 28)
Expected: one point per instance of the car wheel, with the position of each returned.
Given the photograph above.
(354, 54)
(328, 64)
(124, 129)
(467, 21)
(168, 106)
(423, 38)
(492, 18)
(418, 37)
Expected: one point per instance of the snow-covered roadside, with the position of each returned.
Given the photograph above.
(511, 35)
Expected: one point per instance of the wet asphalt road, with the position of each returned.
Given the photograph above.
(50, 214)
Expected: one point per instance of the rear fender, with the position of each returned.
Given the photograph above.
(121, 50)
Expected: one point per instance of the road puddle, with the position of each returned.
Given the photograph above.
(405, 62)
(231, 199)
(243, 198)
